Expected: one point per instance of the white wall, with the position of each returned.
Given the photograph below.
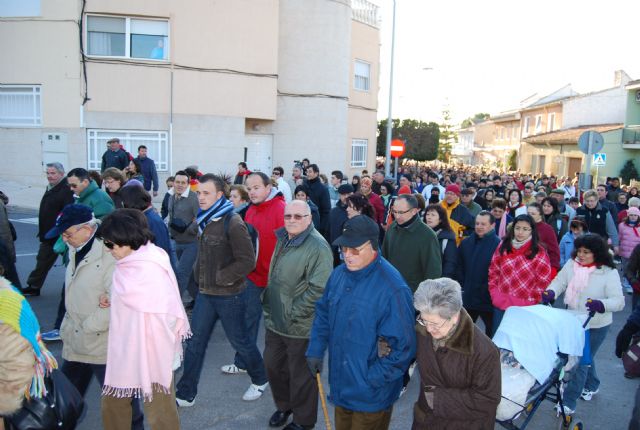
(603, 107)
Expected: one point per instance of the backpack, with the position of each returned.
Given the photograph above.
(253, 233)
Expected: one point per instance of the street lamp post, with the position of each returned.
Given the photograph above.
(387, 158)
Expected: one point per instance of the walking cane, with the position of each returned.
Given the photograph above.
(327, 421)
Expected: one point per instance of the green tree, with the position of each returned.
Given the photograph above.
(629, 172)
(477, 118)
(512, 161)
(447, 137)
(421, 138)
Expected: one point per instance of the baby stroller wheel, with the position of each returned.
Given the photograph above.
(569, 424)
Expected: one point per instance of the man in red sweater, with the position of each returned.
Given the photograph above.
(266, 215)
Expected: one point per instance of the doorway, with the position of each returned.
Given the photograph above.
(258, 150)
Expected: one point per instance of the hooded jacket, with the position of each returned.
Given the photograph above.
(358, 307)
(265, 218)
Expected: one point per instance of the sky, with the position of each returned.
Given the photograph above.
(487, 56)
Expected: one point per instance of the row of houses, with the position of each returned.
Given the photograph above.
(544, 131)
(207, 83)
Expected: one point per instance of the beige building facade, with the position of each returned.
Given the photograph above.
(208, 83)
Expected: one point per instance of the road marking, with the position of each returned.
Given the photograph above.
(26, 220)
(27, 255)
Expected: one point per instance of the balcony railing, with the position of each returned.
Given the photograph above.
(366, 12)
(631, 138)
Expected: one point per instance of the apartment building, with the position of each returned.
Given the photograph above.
(206, 83)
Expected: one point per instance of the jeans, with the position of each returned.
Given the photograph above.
(186, 254)
(253, 314)
(585, 377)
(79, 374)
(230, 310)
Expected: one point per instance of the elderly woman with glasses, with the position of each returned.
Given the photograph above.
(459, 366)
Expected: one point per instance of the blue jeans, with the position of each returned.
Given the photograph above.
(585, 377)
(230, 310)
(253, 314)
(186, 254)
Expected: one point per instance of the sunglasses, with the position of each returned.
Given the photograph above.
(353, 251)
(108, 244)
(297, 217)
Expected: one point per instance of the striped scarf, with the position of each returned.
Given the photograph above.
(219, 208)
(17, 314)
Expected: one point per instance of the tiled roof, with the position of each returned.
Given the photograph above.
(569, 135)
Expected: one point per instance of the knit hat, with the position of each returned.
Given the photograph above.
(633, 211)
(345, 189)
(453, 188)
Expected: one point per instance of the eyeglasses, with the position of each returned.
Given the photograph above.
(67, 235)
(108, 244)
(395, 212)
(428, 324)
(353, 251)
(297, 217)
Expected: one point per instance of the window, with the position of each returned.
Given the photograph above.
(502, 133)
(362, 76)
(127, 37)
(20, 106)
(551, 121)
(359, 152)
(157, 143)
(538, 123)
(525, 127)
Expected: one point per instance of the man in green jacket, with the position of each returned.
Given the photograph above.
(89, 193)
(410, 245)
(301, 264)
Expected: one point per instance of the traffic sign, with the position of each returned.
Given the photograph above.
(397, 148)
(599, 159)
(590, 137)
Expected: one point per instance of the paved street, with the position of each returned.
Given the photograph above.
(219, 404)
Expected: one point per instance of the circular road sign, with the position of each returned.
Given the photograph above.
(397, 148)
(597, 142)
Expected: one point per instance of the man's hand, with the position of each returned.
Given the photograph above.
(315, 365)
(104, 301)
(383, 347)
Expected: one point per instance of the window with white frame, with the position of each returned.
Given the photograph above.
(157, 143)
(538, 124)
(110, 36)
(551, 121)
(362, 76)
(359, 152)
(20, 106)
(525, 127)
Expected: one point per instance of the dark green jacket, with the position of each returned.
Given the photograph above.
(298, 274)
(414, 251)
(96, 199)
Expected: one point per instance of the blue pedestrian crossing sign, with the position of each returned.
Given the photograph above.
(599, 159)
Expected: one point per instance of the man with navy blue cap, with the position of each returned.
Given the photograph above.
(365, 299)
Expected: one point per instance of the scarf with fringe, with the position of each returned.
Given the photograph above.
(147, 325)
(578, 283)
(16, 312)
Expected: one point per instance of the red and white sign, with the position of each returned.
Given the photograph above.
(397, 148)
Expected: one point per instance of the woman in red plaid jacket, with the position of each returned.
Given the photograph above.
(520, 270)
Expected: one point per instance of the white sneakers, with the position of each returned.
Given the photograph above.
(185, 403)
(254, 392)
(232, 369)
(588, 395)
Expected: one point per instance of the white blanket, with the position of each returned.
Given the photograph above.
(536, 333)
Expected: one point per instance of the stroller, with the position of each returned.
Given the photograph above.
(538, 344)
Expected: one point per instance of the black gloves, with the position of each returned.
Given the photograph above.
(624, 338)
(315, 365)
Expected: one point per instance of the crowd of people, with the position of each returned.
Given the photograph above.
(385, 274)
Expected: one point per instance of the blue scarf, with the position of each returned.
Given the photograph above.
(219, 208)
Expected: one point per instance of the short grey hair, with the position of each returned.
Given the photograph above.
(411, 200)
(634, 201)
(58, 166)
(442, 296)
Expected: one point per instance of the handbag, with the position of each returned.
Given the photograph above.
(631, 359)
(60, 408)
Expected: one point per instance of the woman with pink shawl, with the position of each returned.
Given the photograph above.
(147, 326)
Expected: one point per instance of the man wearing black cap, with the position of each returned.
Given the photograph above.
(364, 300)
(337, 218)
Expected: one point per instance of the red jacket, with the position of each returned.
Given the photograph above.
(514, 280)
(377, 204)
(266, 218)
(549, 242)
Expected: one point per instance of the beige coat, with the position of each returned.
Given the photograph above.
(603, 285)
(84, 330)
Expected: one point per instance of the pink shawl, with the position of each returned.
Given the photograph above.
(578, 283)
(147, 325)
